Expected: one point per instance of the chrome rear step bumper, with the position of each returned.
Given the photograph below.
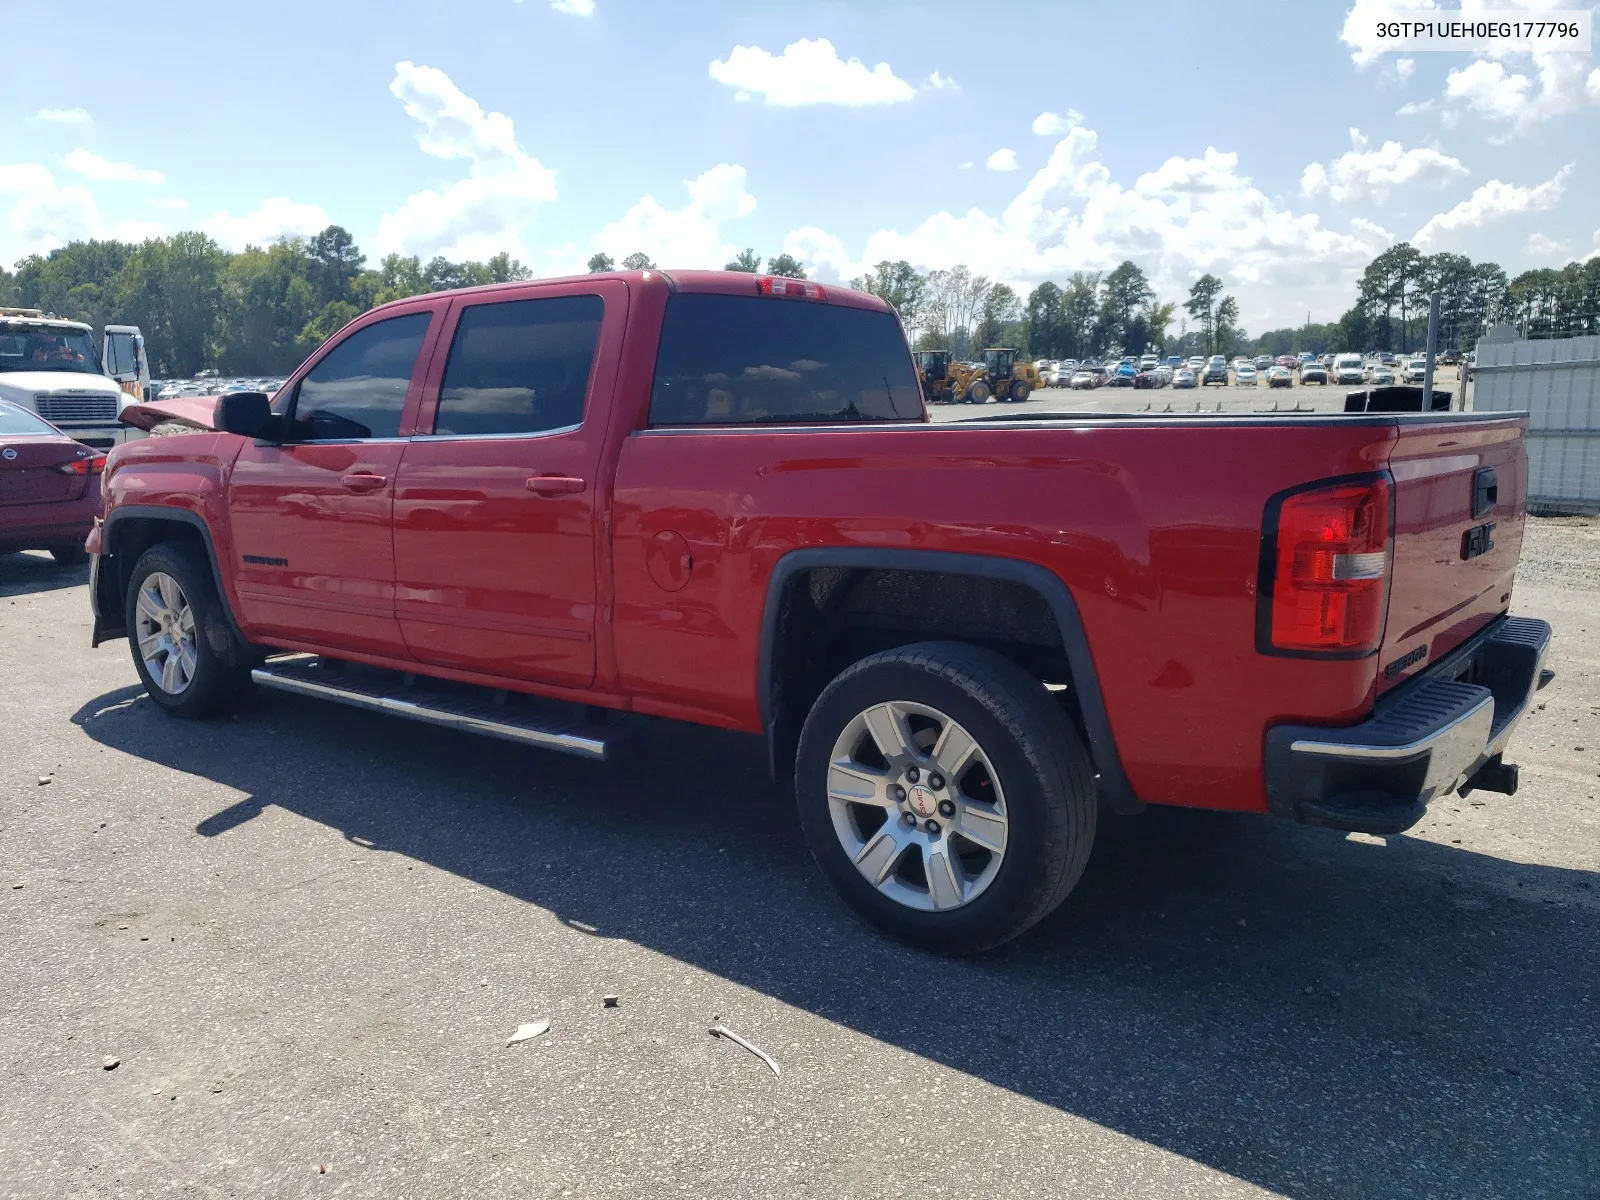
(1445, 729)
(545, 724)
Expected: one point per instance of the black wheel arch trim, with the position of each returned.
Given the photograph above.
(1112, 780)
(103, 628)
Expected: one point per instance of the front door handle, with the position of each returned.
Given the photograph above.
(554, 485)
(363, 481)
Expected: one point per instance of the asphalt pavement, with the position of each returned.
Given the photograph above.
(305, 935)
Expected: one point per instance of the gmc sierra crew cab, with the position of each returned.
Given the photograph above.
(533, 510)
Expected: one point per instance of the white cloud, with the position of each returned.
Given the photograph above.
(1487, 88)
(1414, 108)
(938, 83)
(170, 202)
(1361, 175)
(808, 72)
(687, 237)
(1404, 68)
(1492, 202)
(484, 213)
(966, 166)
(91, 166)
(44, 214)
(1002, 160)
(1544, 247)
(1360, 30)
(275, 218)
(574, 8)
(1188, 216)
(63, 116)
(1049, 124)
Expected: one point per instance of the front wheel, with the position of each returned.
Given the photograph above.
(183, 648)
(945, 794)
(978, 393)
(1020, 392)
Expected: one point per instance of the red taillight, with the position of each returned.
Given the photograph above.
(93, 465)
(1325, 584)
(794, 289)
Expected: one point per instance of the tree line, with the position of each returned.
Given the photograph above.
(261, 311)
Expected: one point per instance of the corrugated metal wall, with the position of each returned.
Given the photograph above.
(1558, 382)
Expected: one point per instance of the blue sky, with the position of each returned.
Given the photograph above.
(1025, 139)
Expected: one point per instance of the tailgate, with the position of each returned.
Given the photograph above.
(28, 470)
(1451, 575)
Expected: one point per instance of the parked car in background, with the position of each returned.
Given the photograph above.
(1288, 361)
(1183, 377)
(1196, 363)
(1245, 375)
(1216, 371)
(1313, 372)
(1305, 356)
(1173, 362)
(1263, 362)
(1123, 375)
(1280, 376)
(1380, 375)
(1084, 381)
(49, 486)
(1348, 370)
(1149, 362)
(1416, 369)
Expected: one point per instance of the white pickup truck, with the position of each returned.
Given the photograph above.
(51, 366)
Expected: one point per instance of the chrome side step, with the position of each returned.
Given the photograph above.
(469, 709)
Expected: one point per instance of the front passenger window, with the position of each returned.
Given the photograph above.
(358, 390)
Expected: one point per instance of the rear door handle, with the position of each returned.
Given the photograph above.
(554, 485)
(363, 481)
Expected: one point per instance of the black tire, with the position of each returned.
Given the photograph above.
(221, 674)
(1020, 392)
(978, 393)
(1041, 764)
(69, 556)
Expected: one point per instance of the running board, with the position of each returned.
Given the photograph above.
(473, 710)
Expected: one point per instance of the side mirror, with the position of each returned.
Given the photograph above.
(249, 414)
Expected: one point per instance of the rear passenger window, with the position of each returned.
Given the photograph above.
(729, 360)
(521, 366)
(358, 390)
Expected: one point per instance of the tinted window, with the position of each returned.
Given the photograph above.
(359, 389)
(18, 421)
(749, 359)
(520, 367)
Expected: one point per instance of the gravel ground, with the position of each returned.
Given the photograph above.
(306, 934)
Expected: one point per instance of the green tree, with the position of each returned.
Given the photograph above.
(1158, 319)
(1080, 312)
(899, 286)
(746, 260)
(787, 265)
(1045, 318)
(267, 298)
(1124, 292)
(1229, 335)
(336, 261)
(334, 316)
(999, 317)
(599, 263)
(1202, 306)
(638, 261)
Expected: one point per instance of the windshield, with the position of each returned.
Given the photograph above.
(41, 348)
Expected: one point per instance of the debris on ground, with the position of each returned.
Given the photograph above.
(529, 1031)
(110, 1063)
(611, 1001)
(722, 1031)
(17, 887)
(44, 779)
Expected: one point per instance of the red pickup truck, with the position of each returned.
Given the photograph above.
(530, 510)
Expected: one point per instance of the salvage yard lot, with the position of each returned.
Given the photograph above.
(306, 933)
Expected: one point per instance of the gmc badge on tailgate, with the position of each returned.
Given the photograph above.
(1476, 540)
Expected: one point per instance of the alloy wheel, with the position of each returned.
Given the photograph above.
(165, 633)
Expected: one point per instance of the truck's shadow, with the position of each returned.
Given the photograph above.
(21, 574)
(1319, 1016)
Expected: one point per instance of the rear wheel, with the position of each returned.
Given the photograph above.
(183, 648)
(945, 795)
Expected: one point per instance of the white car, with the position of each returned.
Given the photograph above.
(1245, 374)
(1348, 369)
(1380, 375)
(1415, 370)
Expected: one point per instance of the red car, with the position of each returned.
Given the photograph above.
(49, 486)
(717, 498)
